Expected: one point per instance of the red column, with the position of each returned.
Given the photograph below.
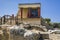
(38, 12)
(29, 12)
(21, 12)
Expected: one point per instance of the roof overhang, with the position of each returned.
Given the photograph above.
(31, 5)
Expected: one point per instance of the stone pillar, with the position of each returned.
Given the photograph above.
(39, 12)
(12, 15)
(1, 20)
(12, 19)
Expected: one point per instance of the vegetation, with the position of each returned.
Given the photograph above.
(56, 25)
(53, 25)
(47, 20)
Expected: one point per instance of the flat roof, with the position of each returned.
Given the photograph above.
(27, 5)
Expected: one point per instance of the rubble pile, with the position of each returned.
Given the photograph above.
(24, 31)
(4, 35)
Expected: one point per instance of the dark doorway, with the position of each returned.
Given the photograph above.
(34, 13)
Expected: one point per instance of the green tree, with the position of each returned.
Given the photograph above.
(47, 20)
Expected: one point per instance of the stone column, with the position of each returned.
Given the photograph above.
(2, 20)
(13, 20)
(12, 15)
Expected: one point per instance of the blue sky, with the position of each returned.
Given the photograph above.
(49, 8)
